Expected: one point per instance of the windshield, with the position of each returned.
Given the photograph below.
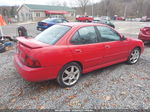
(52, 34)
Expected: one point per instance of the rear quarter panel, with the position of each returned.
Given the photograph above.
(53, 55)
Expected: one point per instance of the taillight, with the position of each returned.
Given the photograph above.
(29, 61)
(45, 24)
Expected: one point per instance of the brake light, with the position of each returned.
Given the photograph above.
(45, 24)
(29, 61)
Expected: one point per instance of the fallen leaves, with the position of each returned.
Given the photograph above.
(43, 88)
(123, 93)
(104, 104)
(107, 98)
(71, 97)
(40, 107)
(75, 103)
(145, 78)
(147, 100)
(18, 92)
(114, 105)
(3, 107)
(35, 98)
(87, 84)
(67, 88)
(133, 76)
(85, 100)
(94, 91)
(13, 100)
(18, 107)
(139, 77)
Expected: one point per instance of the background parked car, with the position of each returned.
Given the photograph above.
(105, 18)
(84, 18)
(46, 23)
(57, 16)
(144, 34)
(145, 19)
(120, 18)
(104, 21)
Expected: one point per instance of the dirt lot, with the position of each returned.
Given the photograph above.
(120, 86)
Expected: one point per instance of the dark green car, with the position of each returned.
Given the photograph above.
(107, 22)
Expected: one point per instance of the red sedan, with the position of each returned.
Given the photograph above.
(67, 50)
(144, 34)
(84, 18)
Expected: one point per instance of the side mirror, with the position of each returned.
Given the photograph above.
(123, 38)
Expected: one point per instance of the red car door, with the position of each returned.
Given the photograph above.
(115, 48)
(85, 47)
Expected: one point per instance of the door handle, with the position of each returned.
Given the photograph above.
(78, 50)
(107, 46)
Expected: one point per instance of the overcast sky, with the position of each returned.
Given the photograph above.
(71, 3)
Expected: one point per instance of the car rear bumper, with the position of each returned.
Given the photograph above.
(34, 74)
(144, 37)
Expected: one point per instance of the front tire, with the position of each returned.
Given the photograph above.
(134, 56)
(69, 75)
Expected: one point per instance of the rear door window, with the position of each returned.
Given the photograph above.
(85, 35)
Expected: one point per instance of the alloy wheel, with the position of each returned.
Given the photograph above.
(71, 75)
(134, 56)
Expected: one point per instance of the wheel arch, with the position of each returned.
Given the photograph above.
(73, 61)
(78, 62)
(138, 48)
(134, 48)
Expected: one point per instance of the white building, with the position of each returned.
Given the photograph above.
(28, 12)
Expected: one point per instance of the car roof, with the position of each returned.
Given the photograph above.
(80, 24)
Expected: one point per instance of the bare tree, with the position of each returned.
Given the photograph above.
(108, 7)
(139, 7)
(126, 8)
(146, 8)
(83, 4)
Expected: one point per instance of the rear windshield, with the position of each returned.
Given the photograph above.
(49, 20)
(52, 34)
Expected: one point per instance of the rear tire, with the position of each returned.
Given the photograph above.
(69, 75)
(134, 56)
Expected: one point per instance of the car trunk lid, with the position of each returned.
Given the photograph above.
(31, 43)
(27, 46)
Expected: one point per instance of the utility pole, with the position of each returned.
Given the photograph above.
(126, 6)
(92, 9)
(125, 11)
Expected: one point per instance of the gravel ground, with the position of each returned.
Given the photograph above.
(119, 86)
